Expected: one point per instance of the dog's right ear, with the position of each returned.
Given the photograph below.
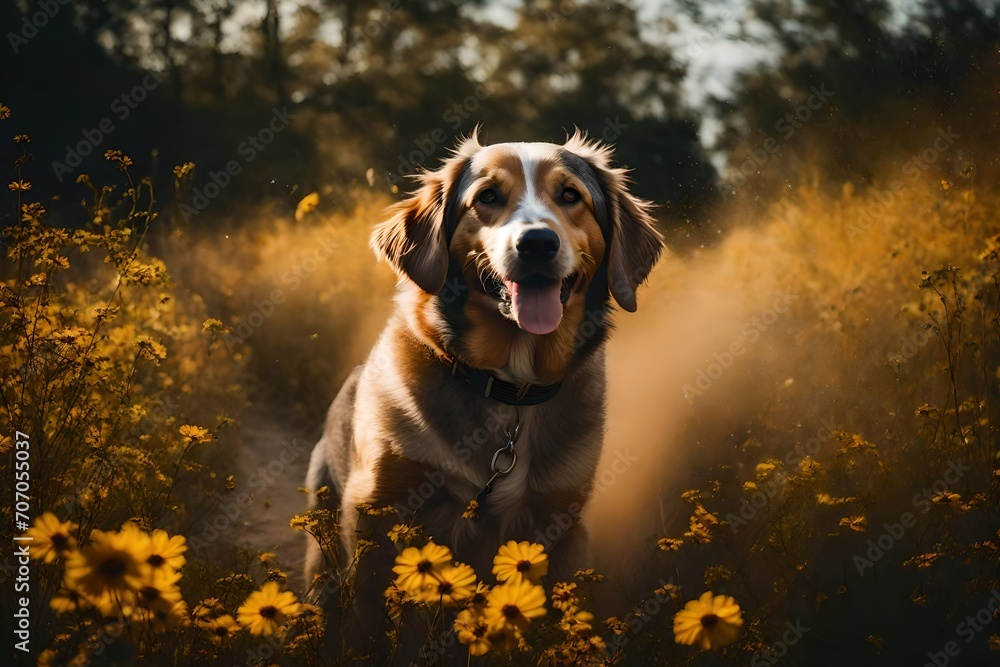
(414, 240)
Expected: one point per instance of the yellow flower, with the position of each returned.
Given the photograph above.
(306, 205)
(119, 157)
(517, 561)
(161, 591)
(763, 469)
(510, 608)
(669, 544)
(945, 497)
(182, 170)
(114, 603)
(827, 499)
(113, 563)
(207, 607)
(166, 552)
(149, 348)
(67, 601)
(266, 610)
(923, 561)
(212, 325)
(416, 568)
(667, 591)
(403, 533)
(452, 585)
(196, 433)
(710, 621)
(858, 524)
(576, 621)
(809, 466)
(162, 605)
(395, 600)
(478, 597)
(164, 617)
(47, 658)
(616, 625)
(471, 510)
(221, 629)
(564, 595)
(22, 186)
(471, 629)
(590, 574)
(51, 538)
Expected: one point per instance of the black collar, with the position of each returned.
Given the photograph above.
(489, 386)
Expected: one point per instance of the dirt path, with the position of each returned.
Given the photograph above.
(271, 467)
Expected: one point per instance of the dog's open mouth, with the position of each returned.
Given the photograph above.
(535, 302)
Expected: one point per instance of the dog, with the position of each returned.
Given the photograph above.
(488, 383)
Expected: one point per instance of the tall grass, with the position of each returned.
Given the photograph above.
(140, 353)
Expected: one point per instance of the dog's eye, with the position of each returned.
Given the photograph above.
(570, 195)
(488, 196)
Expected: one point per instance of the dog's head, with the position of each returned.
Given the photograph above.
(530, 227)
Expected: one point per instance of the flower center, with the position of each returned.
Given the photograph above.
(424, 566)
(523, 565)
(510, 611)
(150, 593)
(709, 620)
(156, 560)
(60, 541)
(112, 568)
(445, 588)
(221, 631)
(268, 612)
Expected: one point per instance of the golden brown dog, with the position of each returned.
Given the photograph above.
(493, 361)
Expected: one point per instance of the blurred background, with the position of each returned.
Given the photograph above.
(685, 90)
(817, 349)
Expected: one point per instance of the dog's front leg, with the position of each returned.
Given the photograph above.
(369, 556)
(557, 524)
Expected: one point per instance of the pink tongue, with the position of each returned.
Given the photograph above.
(537, 310)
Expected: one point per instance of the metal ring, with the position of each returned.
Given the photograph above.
(513, 460)
(512, 435)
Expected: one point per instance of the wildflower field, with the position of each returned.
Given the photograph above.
(811, 399)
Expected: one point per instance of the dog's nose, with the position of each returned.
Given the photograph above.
(537, 246)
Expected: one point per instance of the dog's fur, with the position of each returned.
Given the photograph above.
(405, 431)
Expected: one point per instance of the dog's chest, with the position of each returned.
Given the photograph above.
(521, 363)
(509, 492)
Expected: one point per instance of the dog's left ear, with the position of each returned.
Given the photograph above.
(414, 240)
(635, 244)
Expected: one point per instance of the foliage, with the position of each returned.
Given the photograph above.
(124, 360)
